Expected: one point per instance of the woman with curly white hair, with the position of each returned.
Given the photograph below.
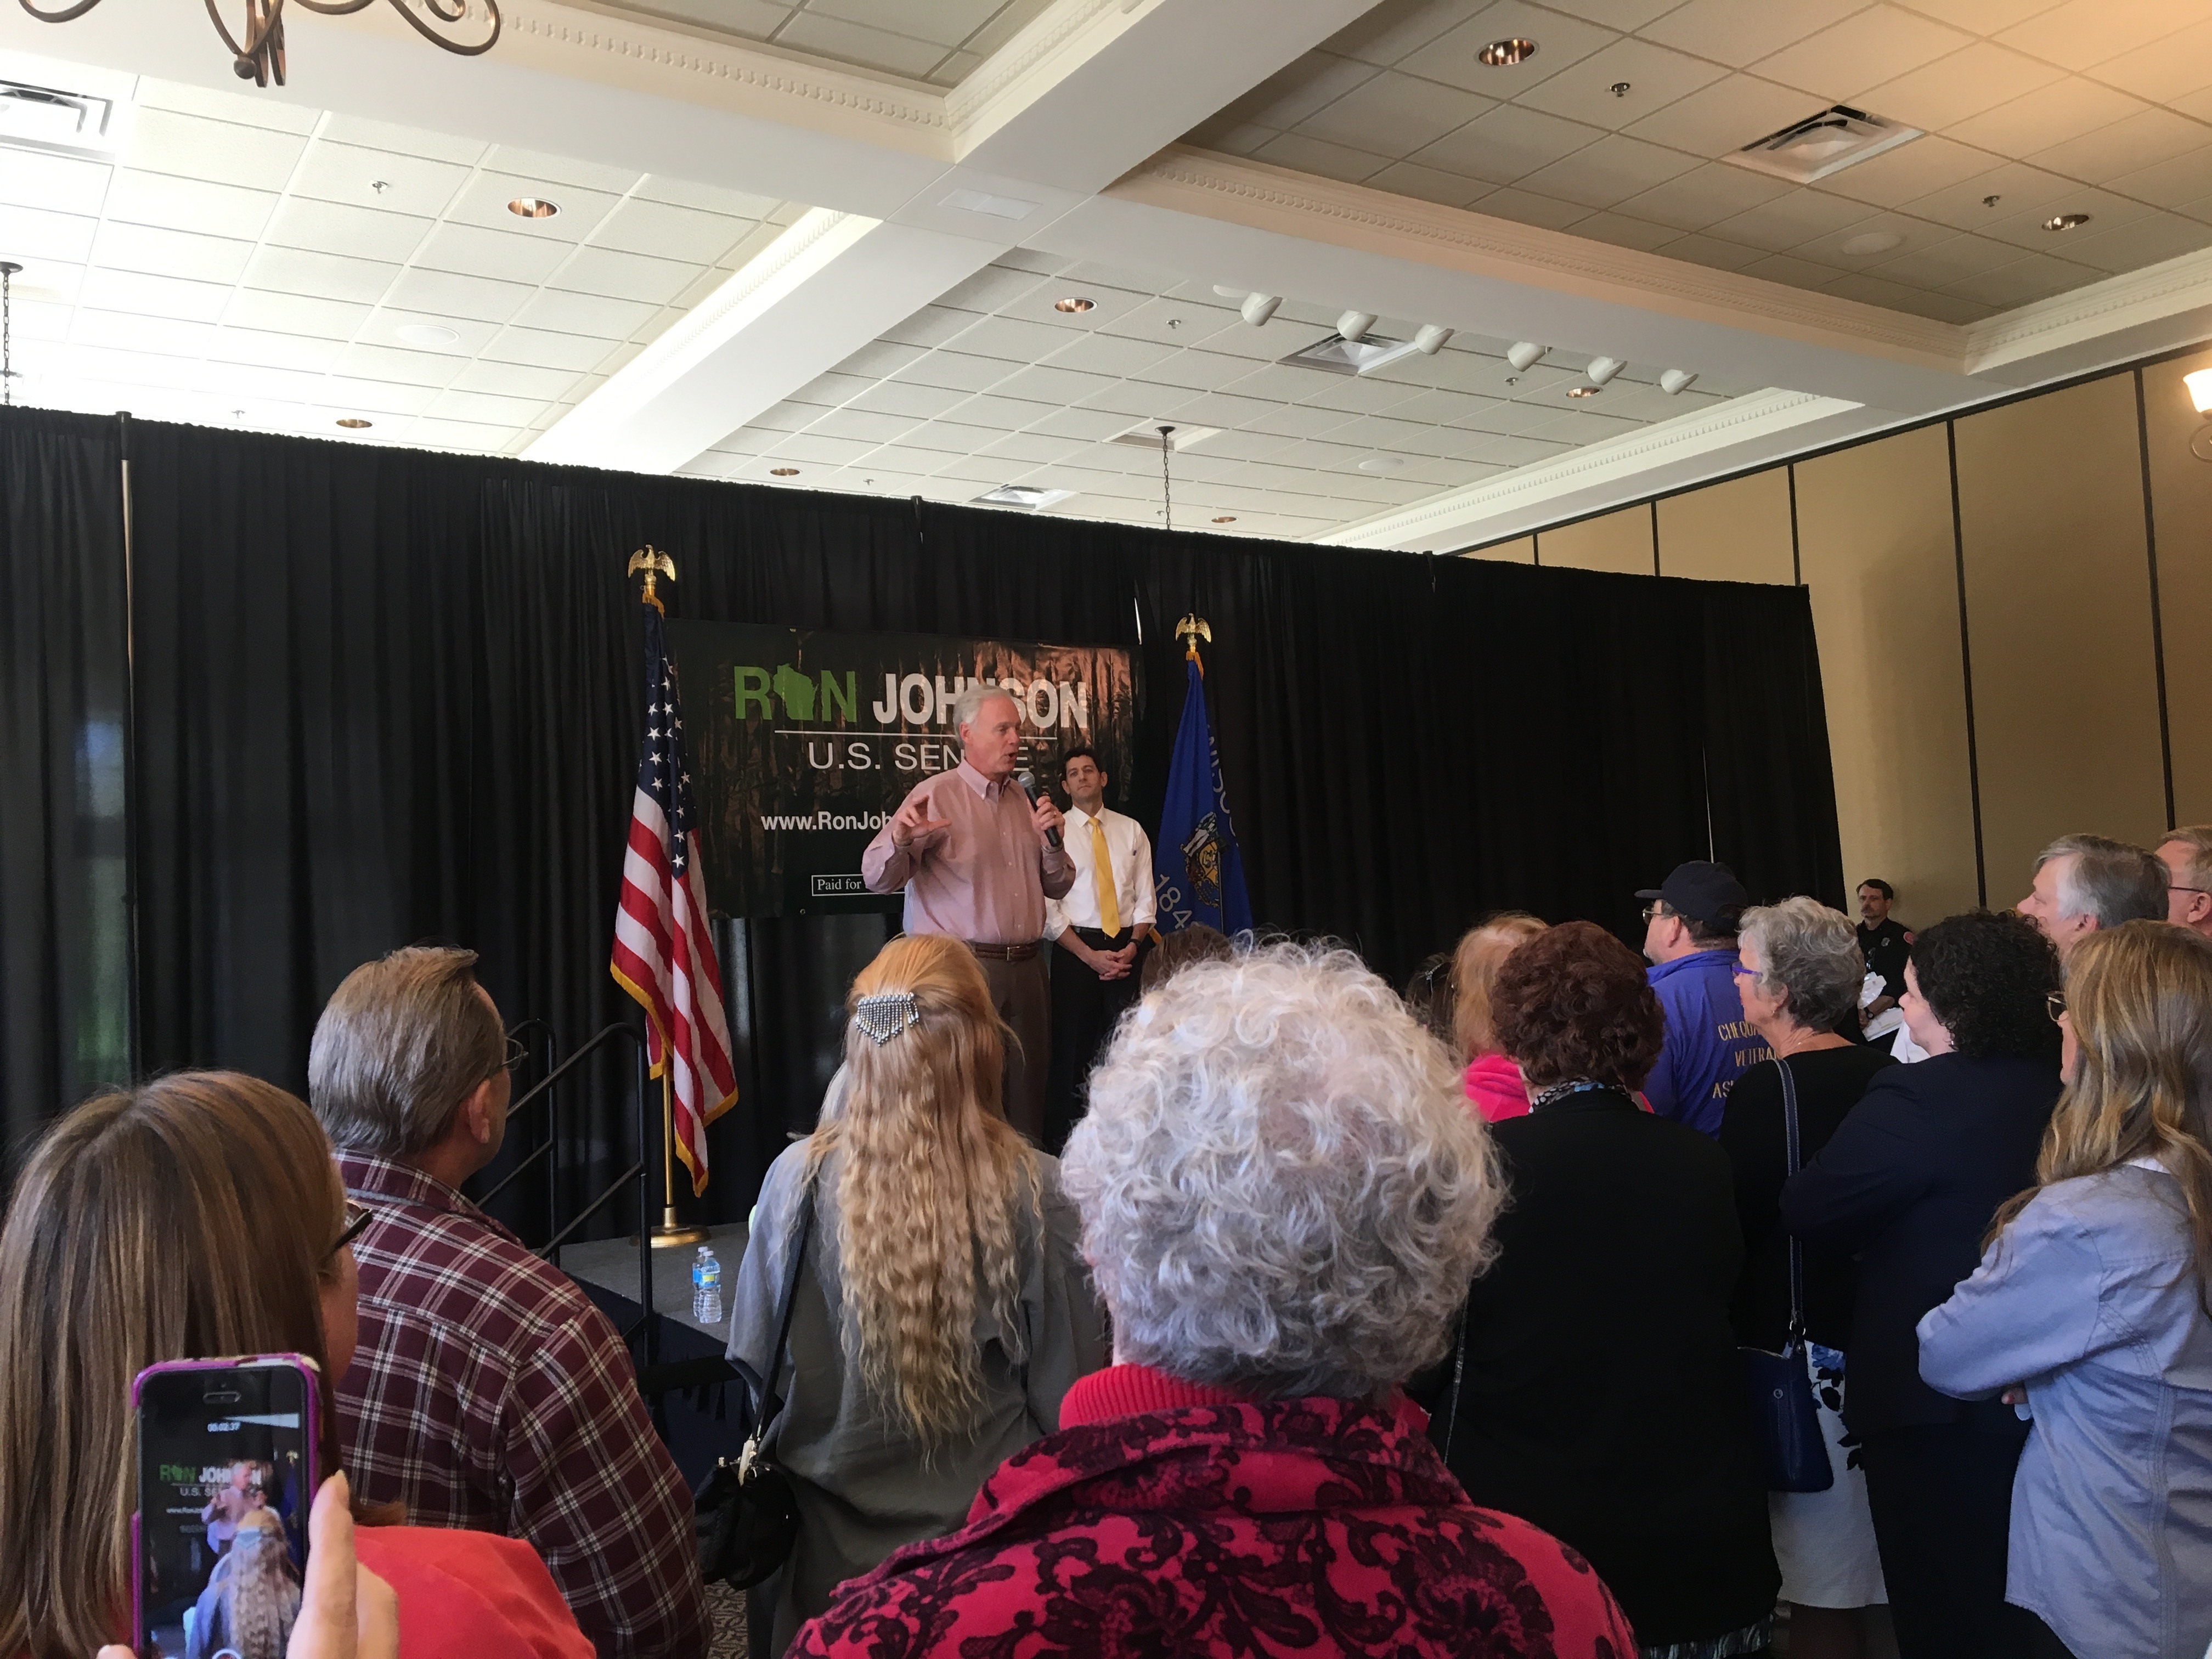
(1282, 1199)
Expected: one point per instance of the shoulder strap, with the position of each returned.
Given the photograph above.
(1797, 1249)
(802, 1228)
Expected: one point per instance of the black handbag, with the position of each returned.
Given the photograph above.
(1779, 1386)
(746, 1512)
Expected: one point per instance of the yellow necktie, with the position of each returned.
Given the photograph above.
(1102, 878)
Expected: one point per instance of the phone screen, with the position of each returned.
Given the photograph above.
(225, 1464)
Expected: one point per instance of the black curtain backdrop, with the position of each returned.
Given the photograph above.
(384, 696)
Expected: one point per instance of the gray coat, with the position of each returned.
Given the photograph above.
(864, 1489)
(2090, 1297)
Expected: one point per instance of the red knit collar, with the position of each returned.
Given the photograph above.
(1127, 1390)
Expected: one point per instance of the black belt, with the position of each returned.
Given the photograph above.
(1003, 953)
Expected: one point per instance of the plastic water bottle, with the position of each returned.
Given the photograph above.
(707, 1288)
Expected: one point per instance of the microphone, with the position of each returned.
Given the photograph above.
(1027, 779)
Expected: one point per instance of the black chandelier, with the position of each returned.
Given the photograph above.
(260, 57)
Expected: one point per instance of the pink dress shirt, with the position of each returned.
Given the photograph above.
(985, 877)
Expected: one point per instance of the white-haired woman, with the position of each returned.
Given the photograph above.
(1798, 971)
(1283, 1197)
(943, 1309)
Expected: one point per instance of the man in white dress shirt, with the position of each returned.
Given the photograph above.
(1099, 924)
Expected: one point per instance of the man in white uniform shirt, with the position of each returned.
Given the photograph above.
(1099, 924)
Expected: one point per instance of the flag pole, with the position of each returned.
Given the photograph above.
(672, 1233)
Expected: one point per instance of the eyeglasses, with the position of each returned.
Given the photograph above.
(1654, 910)
(2176, 887)
(357, 1218)
(1742, 972)
(2054, 1004)
(517, 1052)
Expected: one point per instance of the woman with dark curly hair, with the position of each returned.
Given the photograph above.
(1597, 1391)
(1909, 1184)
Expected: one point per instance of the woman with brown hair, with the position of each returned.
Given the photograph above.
(196, 1216)
(2090, 1311)
(1494, 1083)
(943, 1309)
(1598, 1392)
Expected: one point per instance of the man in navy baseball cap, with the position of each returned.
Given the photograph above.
(1689, 938)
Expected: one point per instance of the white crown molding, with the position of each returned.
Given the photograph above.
(670, 59)
(1740, 420)
(1046, 49)
(1264, 197)
(2149, 295)
(814, 239)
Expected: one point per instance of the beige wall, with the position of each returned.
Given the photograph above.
(2049, 566)
(1521, 551)
(1737, 532)
(1876, 549)
(1619, 541)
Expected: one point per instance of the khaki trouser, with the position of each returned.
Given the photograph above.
(1022, 992)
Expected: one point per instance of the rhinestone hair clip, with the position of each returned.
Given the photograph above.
(885, 1017)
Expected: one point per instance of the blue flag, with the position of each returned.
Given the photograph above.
(1196, 869)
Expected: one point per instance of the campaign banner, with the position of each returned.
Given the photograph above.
(803, 743)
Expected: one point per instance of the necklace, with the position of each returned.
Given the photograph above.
(1558, 1091)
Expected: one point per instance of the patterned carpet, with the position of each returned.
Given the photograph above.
(727, 1608)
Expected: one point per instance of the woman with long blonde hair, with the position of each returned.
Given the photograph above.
(2090, 1311)
(942, 1308)
(1494, 1084)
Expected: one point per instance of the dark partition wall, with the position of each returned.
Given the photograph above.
(384, 696)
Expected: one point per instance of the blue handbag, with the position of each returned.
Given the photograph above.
(1779, 1386)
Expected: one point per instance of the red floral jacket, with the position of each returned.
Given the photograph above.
(1166, 1518)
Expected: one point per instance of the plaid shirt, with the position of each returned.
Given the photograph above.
(488, 1391)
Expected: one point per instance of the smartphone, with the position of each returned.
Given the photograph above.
(226, 1474)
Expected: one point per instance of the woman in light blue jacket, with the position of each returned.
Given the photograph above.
(2089, 1310)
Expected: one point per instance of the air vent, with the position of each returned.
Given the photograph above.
(1335, 355)
(1145, 434)
(1029, 495)
(44, 118)
(1819, 145)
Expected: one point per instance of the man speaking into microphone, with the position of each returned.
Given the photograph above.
(978, 859)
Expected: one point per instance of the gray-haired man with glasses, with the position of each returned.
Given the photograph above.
(2187, 854)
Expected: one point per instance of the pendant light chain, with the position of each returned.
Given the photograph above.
(8, 270)
(1167, 499)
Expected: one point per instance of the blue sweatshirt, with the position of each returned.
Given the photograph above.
(1708, 1047)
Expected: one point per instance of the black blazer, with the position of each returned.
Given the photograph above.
(1599, 1393)
(1911, 1182)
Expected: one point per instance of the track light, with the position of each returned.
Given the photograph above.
(1525, 355)
(1676, 379)
(1354, 324)
(1602, 369)
(1430, 337)
(1258, 307)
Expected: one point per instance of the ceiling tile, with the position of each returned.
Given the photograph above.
(1908, 171)
(323, 276)
(947, 24)
(537, 348)
(1864, 49)
(2107, 212)
(880, 358)
(1010, 339)
(1296, 91)
(1722, 118)
(1945, 262)
(2146, 242)
(147, 199)
(38, 233)
(958, 371)
(447, 294)
(137, 329)
(1001, 414)
(704, 198)
(989, 288)
(901, 400)
(667, 232)
(1739, 33)
(540, 169)
(830, 390)
(581, 313)
(246, 110)
(1172, 322)
(2171, 184)
(58, 184)
(2066, 109)
(359, 130)
(295, 313)
(623, 275)
(432, 432)
(172, 254)
(1508, 144)
(1909, 233)
(1088, 425)
(1051, 384)
(220, 152)
(861, 423)
(1705, 196)
(1712, 250)
(1526, 208)
(467, 251)
(2082, 34)
(2166, 69)
(255, 349)
(1428, 185)
(1978, 77)
(833, 36)
(1981, 16)
(1655, 76)
(396, 364)
(1789, 220)
(2024, 282)
(1295, 150)
(2126, 146)
(458, 403)
(482, 201)
(1622, 231)
(1394, 114)
(1609, 171)
(337, 227)
(153, 296)
(343, 172)
(931, 325)
(1789, 269)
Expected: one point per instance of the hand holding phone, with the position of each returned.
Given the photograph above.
(347, 1612)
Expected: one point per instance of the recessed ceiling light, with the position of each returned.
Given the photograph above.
(1029, 495)
(2066, 222)
(1582, 391)
(1226, 518)
(533, 207)
(783, 472)
(354, 422)
(1619, 88)
(1074, 304)
(1382, 464)
(426, 334)
(1502, 54)
(1873, 241)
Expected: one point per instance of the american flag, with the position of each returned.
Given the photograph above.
(663, 955)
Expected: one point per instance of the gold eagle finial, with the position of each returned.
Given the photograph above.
(655, 564)
(1190, 630)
